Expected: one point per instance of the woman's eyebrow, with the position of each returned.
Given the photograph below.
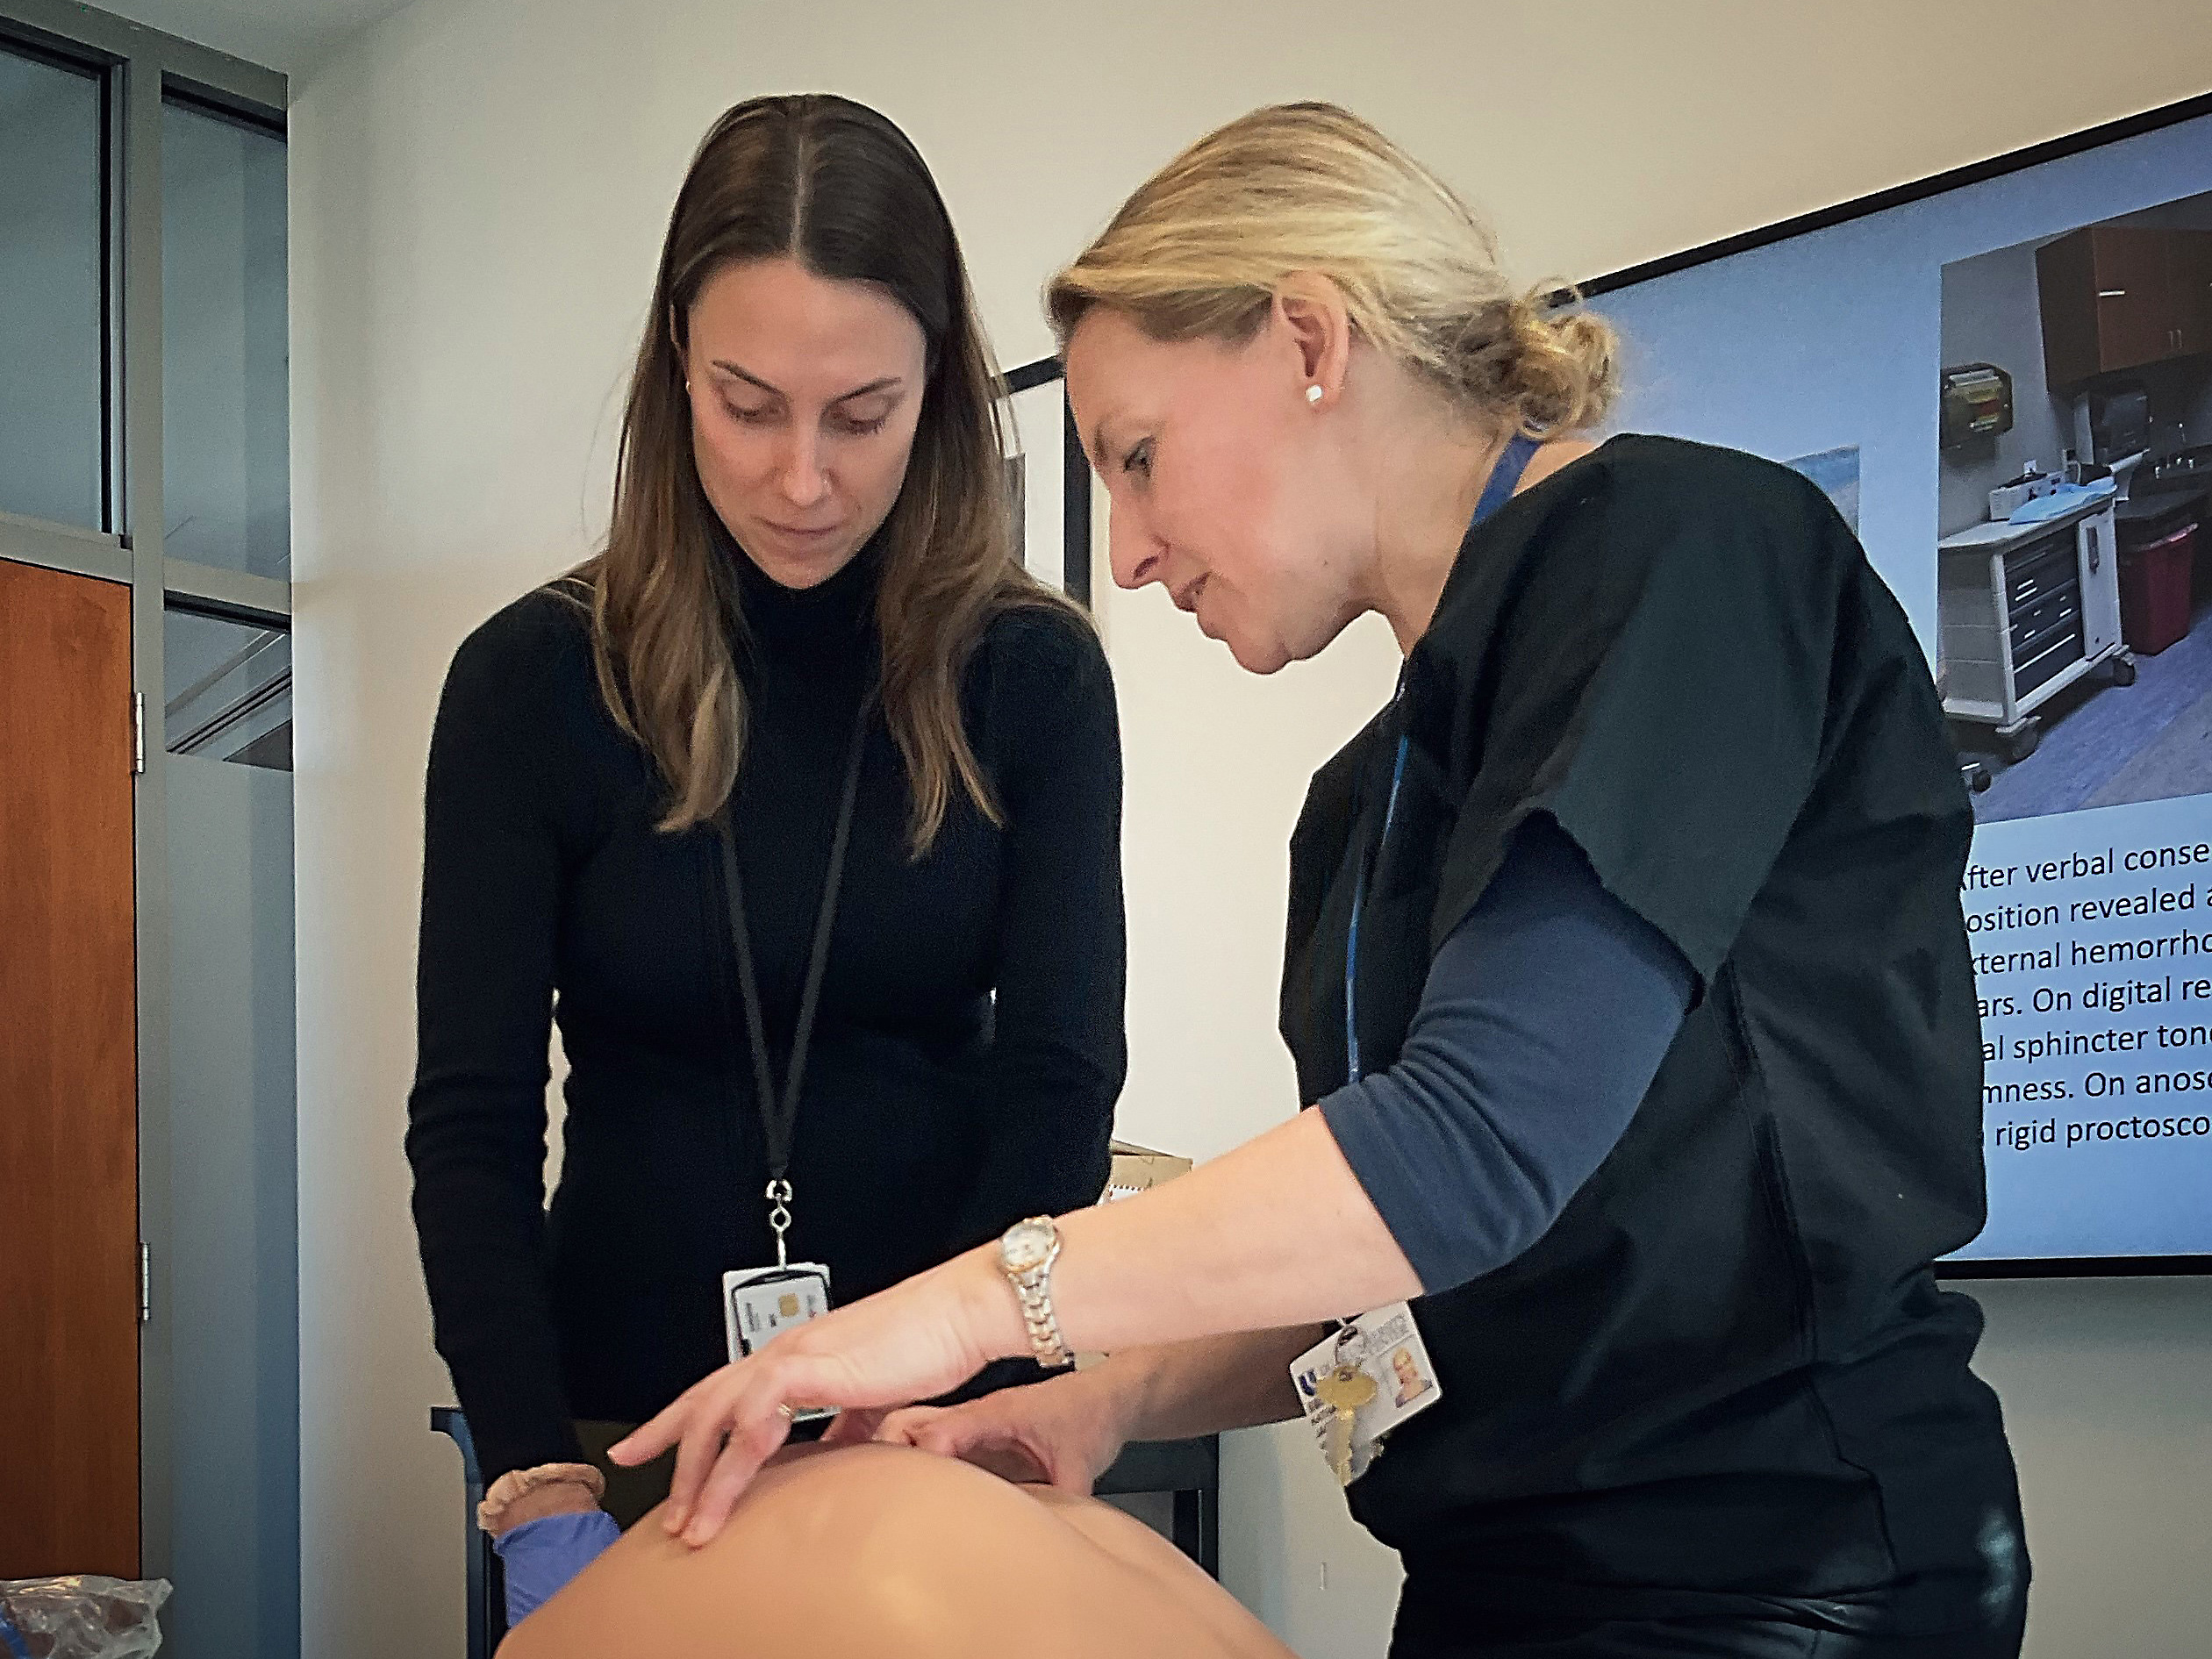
(889, 383)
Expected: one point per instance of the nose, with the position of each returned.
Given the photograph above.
(1135, 554)
(800, 476)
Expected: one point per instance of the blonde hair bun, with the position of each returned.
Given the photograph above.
(1201, 247)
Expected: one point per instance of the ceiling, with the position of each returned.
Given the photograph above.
(290, 35)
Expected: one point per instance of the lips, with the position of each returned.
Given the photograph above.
(1188, 599)
(801, 532)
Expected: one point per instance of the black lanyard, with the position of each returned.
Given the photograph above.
(779, 1112)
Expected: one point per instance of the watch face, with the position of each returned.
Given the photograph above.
(1026, 1245)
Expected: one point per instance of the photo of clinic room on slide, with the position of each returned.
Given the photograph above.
(2003, 379)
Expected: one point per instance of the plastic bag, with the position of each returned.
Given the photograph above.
(78, 1618)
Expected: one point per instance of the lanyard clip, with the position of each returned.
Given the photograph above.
(779, 1217)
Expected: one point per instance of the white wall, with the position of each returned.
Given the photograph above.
(2107, 1392)
(477, 195)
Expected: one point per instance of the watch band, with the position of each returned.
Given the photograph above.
(1033, 1288)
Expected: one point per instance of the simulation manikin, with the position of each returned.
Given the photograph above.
(863, 1552)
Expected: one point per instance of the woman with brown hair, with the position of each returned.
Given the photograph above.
(1627, 981)
(797, 807)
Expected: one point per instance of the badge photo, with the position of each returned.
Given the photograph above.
(1362, 1381)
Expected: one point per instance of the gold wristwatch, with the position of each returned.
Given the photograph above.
(1026, 1251)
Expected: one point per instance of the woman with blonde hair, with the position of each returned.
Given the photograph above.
(799, 807)
(1626, 975)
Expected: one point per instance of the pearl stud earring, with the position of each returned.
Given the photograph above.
(1312, 393)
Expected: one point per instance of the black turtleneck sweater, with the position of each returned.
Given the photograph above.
(966, 1055)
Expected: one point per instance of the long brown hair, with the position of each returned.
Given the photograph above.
(839, 188)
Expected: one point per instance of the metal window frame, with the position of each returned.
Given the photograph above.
(1075, 478)
(140, 69)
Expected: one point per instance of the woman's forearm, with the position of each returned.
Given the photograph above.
(1206, 1387)
(1277, 1233)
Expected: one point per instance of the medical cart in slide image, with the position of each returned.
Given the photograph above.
(2027, 610)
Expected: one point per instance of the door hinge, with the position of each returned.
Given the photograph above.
(137, 733)
(145, 1281)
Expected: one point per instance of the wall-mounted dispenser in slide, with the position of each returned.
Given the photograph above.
(1977, 403)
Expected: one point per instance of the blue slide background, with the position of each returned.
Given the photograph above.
(1832, 339)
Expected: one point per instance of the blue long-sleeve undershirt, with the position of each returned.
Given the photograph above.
(1542, 1023)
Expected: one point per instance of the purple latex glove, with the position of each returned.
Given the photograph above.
(542, 1555)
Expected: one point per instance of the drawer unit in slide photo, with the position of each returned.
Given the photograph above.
(2025, 611)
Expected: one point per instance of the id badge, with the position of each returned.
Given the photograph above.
(1362, 1381)
(759, 1302)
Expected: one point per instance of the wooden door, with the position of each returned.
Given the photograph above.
(69, 1080)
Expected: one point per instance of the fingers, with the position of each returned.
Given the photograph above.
(977, 1432)
(953, 1433)
(731, 1423)
(748, 1448)
(854, 1426)
(1071, 1475)
(1022, 1435)
(700, 1444)
(899, 1427)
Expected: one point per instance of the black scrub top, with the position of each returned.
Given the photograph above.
(1725, 1374)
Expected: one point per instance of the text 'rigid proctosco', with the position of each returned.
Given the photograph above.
(2095, 972)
